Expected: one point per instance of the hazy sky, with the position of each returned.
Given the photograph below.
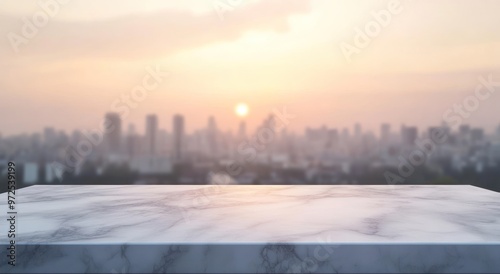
(265, 53)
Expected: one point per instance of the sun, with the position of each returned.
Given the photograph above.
(241, 109)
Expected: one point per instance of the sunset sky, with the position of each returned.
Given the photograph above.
(267, 54)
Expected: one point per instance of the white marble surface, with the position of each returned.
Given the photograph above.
(255, 229)
(135, 214)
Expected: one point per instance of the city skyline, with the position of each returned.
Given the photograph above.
(152, 124)
(411, 71)
(269, 155)
(250, 136)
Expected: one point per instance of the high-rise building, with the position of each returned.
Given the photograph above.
(433, 131)
(332, 138)
(212, 137)
(385, 133)
(162, 142)
(476, 134)
(357, 130)
(49, 136)
(344, 135)
(131, 129)
(269, 122)
(242, 130)
(409, 135)
(178, 136)
(112, 134)
(151, 134)
(464, 130)
(309, 134)
(464, 134)
(76, 136)
(133, 144)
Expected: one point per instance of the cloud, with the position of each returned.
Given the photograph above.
(149, 35)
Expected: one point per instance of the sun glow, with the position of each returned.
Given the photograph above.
(241, 110)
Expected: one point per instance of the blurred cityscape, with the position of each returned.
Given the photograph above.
(400, 154)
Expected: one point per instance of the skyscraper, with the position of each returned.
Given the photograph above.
(385, 133)
(357, 130)
(112, 135)
(131, 129)
(332, 138)
(409, 135)
(133, 142)
(178, 136)
(464, 130)
(344, 135)
(162, 141)
(151, 134)
(242, 130)
(212, 137)
(49, 136)
(477, 135)
(432, 131)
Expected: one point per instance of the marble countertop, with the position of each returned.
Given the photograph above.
(186, 214)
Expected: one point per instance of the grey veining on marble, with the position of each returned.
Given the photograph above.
(257, 214)
(249, 229)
